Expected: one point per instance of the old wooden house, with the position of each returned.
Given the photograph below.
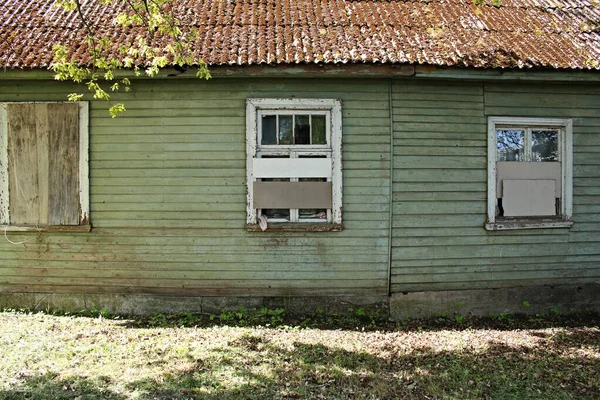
(420, 156)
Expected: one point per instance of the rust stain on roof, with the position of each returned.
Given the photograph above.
(562, 34)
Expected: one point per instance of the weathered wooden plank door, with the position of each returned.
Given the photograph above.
(43, 163)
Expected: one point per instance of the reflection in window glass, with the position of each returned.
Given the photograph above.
(544, 146)
(302, 130)
(285, 129)
(510, 144)
(312, 214)
(269, 131)
(318, 129)
(276, 213)
(297, 129)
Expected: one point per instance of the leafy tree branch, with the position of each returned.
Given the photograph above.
(158, 39)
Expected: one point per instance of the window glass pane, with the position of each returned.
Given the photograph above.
(269, 131)
(302, 130)
(318, 130)
(275, 213)
(285, 129)
(544, 146)
(312, 214)
(510, 144)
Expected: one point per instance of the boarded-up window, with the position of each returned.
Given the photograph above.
(528, 158)
(44, 164)
(530, 174)
(294, 161)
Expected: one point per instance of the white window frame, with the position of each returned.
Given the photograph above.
(332, 108)
(565, 127)
(84, 192)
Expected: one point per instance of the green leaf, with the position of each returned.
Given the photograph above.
(75, 97)
(116, 109)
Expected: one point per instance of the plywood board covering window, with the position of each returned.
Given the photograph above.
(526, 197)
(43, 164)
(529, 173)
(300, 195)
(294, 161)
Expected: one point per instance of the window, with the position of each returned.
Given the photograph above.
(294, 164)
(44, 166)
(529, 173)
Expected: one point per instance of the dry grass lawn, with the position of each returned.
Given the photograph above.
(65, 357)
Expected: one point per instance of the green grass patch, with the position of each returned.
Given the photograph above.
(264, 354)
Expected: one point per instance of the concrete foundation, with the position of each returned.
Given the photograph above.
(150, 304)
(398, 306)
(483, 302)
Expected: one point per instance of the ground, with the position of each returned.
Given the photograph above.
(45, 356)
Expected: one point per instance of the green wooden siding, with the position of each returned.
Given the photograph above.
(168, 199)
(440, 189)
(168, 194)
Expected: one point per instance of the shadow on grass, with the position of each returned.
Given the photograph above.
(573, 338)
(50, 386)
(252, 367)
(502, 322)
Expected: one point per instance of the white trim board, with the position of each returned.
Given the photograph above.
(4, 189)
(84, 163)
(291, 167)
(293, 104)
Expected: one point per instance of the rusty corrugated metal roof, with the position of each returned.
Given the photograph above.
(563, 34)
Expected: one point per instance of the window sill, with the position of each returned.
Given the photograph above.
(297, 227)
(541, 223)
(53, 228)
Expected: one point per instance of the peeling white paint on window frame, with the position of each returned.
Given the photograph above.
(84, 191)
(333, 108)
(84, 163)
(565, 127)
(4, 197)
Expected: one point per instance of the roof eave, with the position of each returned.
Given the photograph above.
(345, 71)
